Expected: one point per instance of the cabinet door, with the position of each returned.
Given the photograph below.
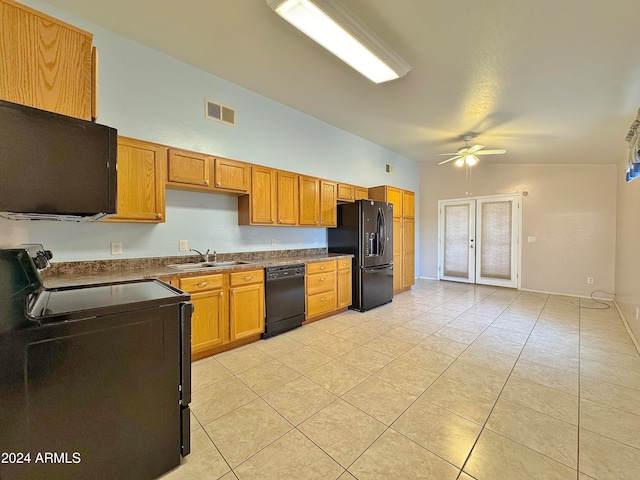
(187, 169)
(208, 320)
(44, 63)
(309, 194)
(246, 310)
(394, 195)
(346, 192)
(344, 287)
(408, 204)
(328, 208)
(140, 181)
(361, 193)
(231, 175)
(287, 198)
(397, 254)
(263, 195)
(408, 253)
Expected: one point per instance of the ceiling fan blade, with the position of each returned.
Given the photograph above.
(454, 153)
(450, 159)
(491, 152)
(475, 148)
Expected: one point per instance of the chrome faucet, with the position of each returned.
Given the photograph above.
(205, 256)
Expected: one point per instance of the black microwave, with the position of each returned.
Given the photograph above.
(55, 167)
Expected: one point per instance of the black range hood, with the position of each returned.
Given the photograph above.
(54, 167)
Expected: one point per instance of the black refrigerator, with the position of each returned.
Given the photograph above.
(365, 229)
(95, 380)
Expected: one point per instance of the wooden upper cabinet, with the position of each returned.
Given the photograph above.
(408, 204)
(45, 63)
(287, 198)
(231, 175)
(346, 192)
(309, 204)
(186, 170)
(263, 195)
(389, 194)
(141, 178)
(328, 208)
(394, 196)
(361, 193)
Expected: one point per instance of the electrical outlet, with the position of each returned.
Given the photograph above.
(531, 239)
(273, 241)
(315, 241)
(184, 246)
(116, 248)
(300, 241)
(590, 280)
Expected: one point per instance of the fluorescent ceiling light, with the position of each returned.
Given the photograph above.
(330, 24)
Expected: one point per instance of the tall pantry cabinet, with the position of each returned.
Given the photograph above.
(403, 233)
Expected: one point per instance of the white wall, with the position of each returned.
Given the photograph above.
(627, 256)
(570, 209)
(148, 95)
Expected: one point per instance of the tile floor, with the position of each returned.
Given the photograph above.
(447, 382)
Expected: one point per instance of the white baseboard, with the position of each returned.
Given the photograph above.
(627, 326)
(566, 294)
(427, 278)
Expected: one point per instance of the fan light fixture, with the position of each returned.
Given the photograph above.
(333, 26)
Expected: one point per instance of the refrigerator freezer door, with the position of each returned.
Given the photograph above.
(374, 287)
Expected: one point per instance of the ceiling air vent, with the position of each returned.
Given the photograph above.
(219, 113)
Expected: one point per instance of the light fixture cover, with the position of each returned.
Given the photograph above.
(332, 25)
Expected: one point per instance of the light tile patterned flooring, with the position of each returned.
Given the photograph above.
(447, 382)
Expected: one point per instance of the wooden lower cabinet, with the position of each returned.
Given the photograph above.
(246, 309)
(209, 319)
(327, 288)
(397, 255)
(344, 284)
(408, 253)
(228, 310)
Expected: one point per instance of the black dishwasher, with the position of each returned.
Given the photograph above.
(284, 298)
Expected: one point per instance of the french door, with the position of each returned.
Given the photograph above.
(479, 240)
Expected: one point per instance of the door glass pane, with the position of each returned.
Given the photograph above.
(456, 241)
(495, 228)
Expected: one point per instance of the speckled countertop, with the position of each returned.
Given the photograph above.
(105, 271)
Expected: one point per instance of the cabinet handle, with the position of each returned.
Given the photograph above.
(233, 292)
(158, 215)
(273, 220)
(322, 223)
(322, 299)
(206, 182)
(322, 267)
(248, 277)
(322, 279)
(221, 293)
(202, 284)
(218, 184)
(279, 220)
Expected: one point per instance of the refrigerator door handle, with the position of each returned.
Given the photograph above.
(382, 238)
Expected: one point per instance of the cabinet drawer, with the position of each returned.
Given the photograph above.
(321, 303)
(321, 282)
(245, 278)
(202, 283)
(344, 263)
(321, 267)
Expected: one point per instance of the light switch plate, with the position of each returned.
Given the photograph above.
(184, 245)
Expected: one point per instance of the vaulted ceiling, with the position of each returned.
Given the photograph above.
(551, 81)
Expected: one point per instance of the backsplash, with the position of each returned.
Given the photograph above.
(102, 266)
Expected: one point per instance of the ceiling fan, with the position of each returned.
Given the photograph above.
(468, 154)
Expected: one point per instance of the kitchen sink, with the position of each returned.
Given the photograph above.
(193, 266)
